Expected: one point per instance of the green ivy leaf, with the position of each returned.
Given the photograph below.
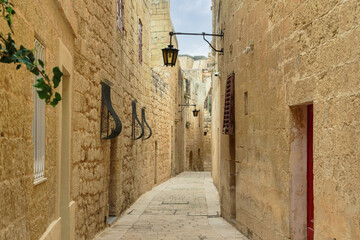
(57, 76)
(41, 63)
(10, 10)
(35, 71)
(43, 94)
(57, 96)
(40, 84)
(54, 102)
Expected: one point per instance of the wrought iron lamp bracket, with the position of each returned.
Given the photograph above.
(186, 105)
(199, 34)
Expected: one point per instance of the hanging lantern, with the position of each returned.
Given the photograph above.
(170, 55)
(196, 112)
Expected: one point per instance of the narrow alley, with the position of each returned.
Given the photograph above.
(179, 119)
(185, 207)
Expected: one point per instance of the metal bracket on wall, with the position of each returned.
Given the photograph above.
(200, 34)
(135, 121)
(110, 126)
(144, 122)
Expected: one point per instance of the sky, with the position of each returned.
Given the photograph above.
(192, 16)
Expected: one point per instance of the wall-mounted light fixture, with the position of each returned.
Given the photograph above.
(195, 111)
(206, 130)
(170, 53)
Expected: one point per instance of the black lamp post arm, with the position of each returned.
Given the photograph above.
(198, 34)
(220, 51)
(186, 105)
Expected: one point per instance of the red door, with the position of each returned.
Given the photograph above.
(310, 175)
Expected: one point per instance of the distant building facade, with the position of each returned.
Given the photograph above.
(197, 73)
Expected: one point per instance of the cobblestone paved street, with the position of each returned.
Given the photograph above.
(185, 207)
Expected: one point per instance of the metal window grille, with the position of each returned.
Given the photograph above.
(120, 15)
(229, 113)
(39, 122)
(147, 128)
(111, 125)
(137, 127)
(140, 41)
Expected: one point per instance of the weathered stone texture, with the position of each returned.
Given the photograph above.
(121, 169)
(167, 95)
(27, 209)
(304, 52)
(107, 176)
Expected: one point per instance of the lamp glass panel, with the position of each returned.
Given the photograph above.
(196, 112)
(170, 56)
(164, 51)
(174, 57)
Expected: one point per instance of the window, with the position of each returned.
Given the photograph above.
(120, 15)
(39, 123)
(140, 41)
(229, 113)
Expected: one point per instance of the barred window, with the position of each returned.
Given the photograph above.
(120, 15)
(39, 122)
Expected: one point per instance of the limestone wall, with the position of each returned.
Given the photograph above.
(27, 209)
(168, 92)
(304, 52)
(104, 176)
(186, 61)
(109, 175)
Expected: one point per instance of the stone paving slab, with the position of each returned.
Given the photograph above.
(185, 207)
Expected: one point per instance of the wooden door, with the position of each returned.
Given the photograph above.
(310, 175)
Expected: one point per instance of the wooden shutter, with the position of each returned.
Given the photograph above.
(229, 111)
(119, 8)
(120, 15)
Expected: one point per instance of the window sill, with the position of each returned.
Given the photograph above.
(39, 181)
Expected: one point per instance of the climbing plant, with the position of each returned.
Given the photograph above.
(11, 54)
